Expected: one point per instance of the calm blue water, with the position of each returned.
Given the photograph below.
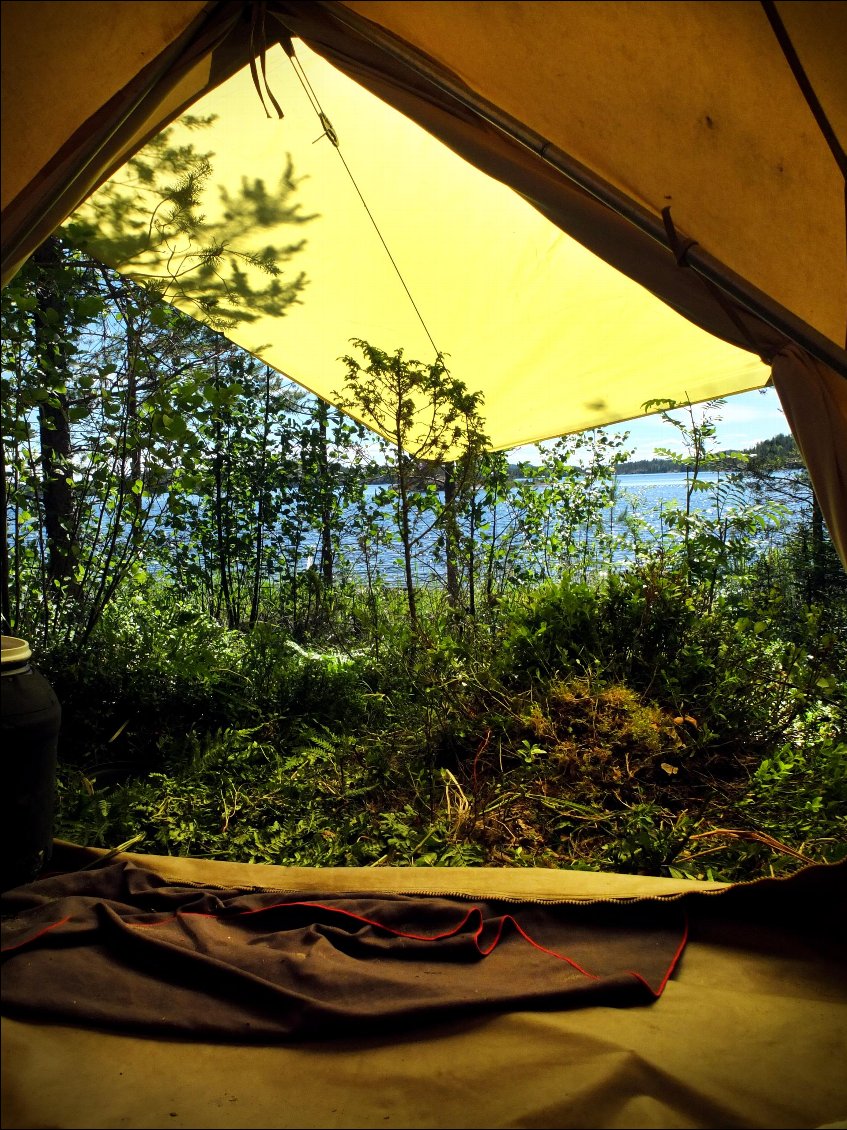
(646, 499)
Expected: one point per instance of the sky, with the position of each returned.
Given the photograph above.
(745, 420)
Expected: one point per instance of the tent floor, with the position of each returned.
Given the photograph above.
(751, 1031)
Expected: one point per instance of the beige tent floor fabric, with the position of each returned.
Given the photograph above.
(749, 1032)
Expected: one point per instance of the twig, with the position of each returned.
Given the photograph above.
(112, 853)
(483, 746)
(759, 837)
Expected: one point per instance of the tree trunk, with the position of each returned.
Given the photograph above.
(133, 440)
(54, 427)
(451, 538)
(406, 537)
(222, 548)
(260, 515)
(5, 574)
(326, 488)
(817, 573)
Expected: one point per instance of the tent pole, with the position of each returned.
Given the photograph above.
(741, 291)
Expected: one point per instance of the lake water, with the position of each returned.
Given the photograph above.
(646, 497)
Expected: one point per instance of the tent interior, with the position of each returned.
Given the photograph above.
(585, 206)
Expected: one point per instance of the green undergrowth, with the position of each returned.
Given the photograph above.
(635, 725)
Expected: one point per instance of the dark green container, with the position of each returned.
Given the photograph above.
(31, 717)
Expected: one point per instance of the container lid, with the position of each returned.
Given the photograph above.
(15, 650)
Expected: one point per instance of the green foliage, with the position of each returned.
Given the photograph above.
(805, 780)
(440, 756)
(555, 633)
(432, 431)
(170, 670)
(648, 839)
(199, 555)
(560, 506)
(236, 798)
(117, 413)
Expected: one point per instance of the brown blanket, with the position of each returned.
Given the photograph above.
(123, 948)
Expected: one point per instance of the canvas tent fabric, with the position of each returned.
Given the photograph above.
(749, 1030)
(675, 104)
(646, 132)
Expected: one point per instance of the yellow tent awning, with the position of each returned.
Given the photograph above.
(555, 339)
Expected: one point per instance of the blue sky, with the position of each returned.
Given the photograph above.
(745, 420)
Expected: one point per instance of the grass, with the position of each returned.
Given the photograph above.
(496, 745)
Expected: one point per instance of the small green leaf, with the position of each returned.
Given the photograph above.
(89, 306)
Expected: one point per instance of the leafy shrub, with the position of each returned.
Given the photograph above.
(155, 666)
(555, 633)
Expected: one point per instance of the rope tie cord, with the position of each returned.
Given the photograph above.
(328, 131)
(257, 34)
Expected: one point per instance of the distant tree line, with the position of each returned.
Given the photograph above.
(779, 451)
